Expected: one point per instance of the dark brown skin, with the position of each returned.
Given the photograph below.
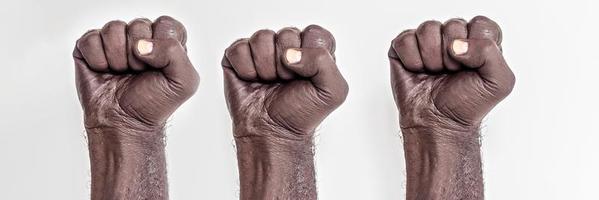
(442, 95)
(276, 106)
(127, 98)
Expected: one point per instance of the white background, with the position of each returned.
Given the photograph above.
(539, 143)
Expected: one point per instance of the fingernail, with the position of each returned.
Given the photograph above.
(293, 56)
(144, 47)
(459, 47)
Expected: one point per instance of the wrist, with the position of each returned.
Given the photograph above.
(123, 128)
(275, 149)
(127, 163)
(434, 122)
(441, 160)
(276, 168)
(103, 118)
(266, 128)
(125, 141)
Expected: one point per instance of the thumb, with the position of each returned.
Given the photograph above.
(318, 65)
(170, 57)
(485, 56)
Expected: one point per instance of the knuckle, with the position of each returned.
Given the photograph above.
(454, 24)
(313, 27)
(316, 36)
(236, 47)
(288, 37)
(486, 25)
(315, 32)
(430, 25)
(88, 32)
(263, 36)
(141, 20)
(165, 27)
(139, 29)
(455, 21)
(169, 23)
(287, 30)
(402, 38)
(480, 19)
(86, 40)
(114, 24)
(263, 33)
(165, 18)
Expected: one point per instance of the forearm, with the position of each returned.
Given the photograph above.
(127, 164)
(276, 168)
(443, 163)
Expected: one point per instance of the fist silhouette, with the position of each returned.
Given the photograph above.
(282, 82)
(134, 74)
(453, 72)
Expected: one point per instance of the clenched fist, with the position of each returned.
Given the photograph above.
(445, 79)
(450, 74)
(130, 79)
(133, 75)
(286, 81)
(279, 87)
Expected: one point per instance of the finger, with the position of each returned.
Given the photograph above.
(231, 78)
(406, 47)
(481, 27)
(318, 65)
(315, 36)
(140, 28)
(115, 45)
(485, 56)
(169, 56)
(235, 88)
(455, 28)
(402, 80)
(86, 79)
(286, 38)
(165, 27)
(92, 50)
(429, 39)
(262, 45)
(240, 57)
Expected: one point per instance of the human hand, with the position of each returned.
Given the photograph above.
(279, 87)
(282, 83)
(133, 75)
(450, 74)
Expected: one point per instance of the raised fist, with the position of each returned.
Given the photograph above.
(133, 75)
(449, 74)
(282, 82)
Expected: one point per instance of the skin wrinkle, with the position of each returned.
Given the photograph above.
(125, 113)
(440, 113)
(274, 120)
